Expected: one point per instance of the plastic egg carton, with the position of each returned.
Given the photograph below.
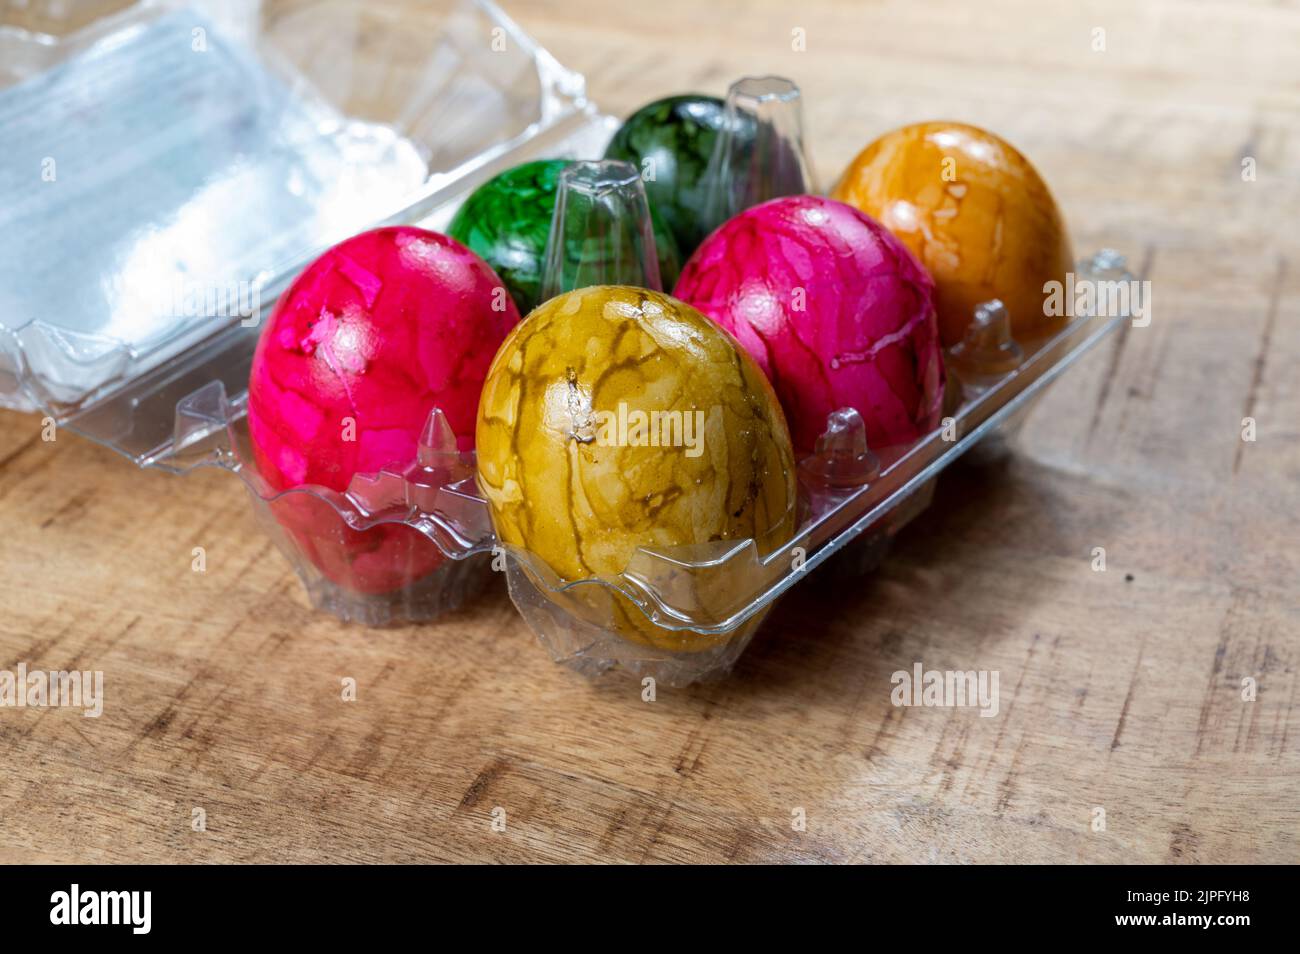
(221, 144)
(852, 501)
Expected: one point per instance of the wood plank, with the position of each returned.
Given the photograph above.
(1120, 690)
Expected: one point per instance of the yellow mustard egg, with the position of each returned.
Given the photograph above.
(615, 418)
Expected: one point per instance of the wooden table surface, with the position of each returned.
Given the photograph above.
(1120, 690)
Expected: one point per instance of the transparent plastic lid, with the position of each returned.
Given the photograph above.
(169, 167)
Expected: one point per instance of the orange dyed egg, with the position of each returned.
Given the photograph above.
(974, 211)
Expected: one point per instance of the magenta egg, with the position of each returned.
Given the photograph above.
(835, 310)
(373, 335)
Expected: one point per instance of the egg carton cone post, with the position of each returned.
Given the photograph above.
(760, 152)
(601, 232)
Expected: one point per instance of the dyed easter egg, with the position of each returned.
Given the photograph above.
(975, 212)
(835, 310)
(507, 221)
(671, 141)
(615, 418)
(375, 333)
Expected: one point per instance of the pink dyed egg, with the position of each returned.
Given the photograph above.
(835, 310)
(375, 333)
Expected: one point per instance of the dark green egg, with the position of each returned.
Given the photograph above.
(670, 141)
(507, 220)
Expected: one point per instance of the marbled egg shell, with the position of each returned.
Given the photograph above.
(566, 481)
(373, 335)
(834, 309)
(671, 141)
(975, 212)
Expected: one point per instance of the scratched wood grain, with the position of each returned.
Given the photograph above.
(1121, 689)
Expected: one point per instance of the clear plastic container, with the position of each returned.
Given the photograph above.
(159, 150)
(168, 157)
(170, 167)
